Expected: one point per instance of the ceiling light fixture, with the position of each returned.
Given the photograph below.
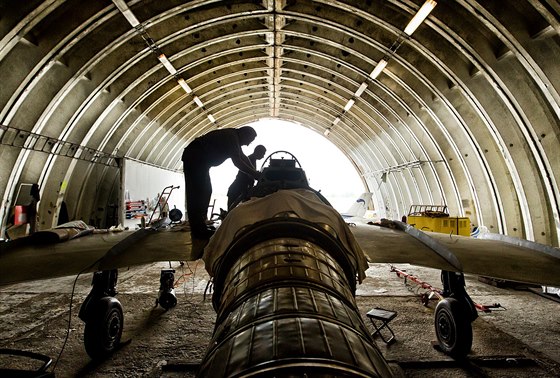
(198, 102)
(184, 85)
(336, 121)
(167, 64)
(349, 104)
(127, 13)
(360, 90)
(377, 70)
(420, 16)
(327, 132)
(211, 118)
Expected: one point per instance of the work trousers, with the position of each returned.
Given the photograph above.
(198, 190)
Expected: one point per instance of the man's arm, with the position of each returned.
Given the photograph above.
(243, 163)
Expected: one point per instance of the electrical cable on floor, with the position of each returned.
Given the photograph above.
(70, 311)
(182, 278)
(192, 274)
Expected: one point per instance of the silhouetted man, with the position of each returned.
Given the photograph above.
(243, 182)
(211, 150)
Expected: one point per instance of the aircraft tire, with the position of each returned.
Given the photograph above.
(453, 328)
(167, 300)
(103, 331)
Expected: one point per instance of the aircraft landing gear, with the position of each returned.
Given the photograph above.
(103, 331)
(103, 316)
(453, 329)
(454, 315)
(167, 298)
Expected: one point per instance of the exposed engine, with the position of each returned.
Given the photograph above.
(285, 268)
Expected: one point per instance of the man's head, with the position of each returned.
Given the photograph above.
(259, 151)
(246, 135)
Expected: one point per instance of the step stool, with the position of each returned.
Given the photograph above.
(383, 317)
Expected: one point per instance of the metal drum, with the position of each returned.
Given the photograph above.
(286, 308)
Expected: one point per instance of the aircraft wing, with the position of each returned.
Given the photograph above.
(515, 260)
(25, 261)
(509, 259)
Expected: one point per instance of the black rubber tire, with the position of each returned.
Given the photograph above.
(102, 334)
(453, 328)
(167, 300)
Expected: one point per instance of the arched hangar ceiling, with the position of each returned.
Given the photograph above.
(462, 111)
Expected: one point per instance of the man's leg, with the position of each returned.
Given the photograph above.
(233, 194)
(206, 194)
(195, 181)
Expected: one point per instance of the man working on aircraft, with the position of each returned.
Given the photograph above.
(211, 150)
(243, 182)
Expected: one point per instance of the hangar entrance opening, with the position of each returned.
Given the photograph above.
(326, 166)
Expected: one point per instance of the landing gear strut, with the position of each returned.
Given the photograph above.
(454, 315)
(103, 316)
(167, 298)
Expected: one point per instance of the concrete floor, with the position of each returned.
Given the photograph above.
(520, 341)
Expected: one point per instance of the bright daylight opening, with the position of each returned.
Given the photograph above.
(326, 167)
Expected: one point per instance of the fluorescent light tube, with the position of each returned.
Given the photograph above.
(167, 64)
(211, 118)
(127, 13)
(198, 102)
(361, 90)
(121, 5)
(184, 85)
(349, 104)
(336, 121)
(419, 17)
(327, 132)
(131, 18)
(378, 69)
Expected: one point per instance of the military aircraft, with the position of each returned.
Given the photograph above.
(358, 210)
(285, 266)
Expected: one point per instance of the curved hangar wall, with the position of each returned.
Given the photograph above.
(462, 111)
